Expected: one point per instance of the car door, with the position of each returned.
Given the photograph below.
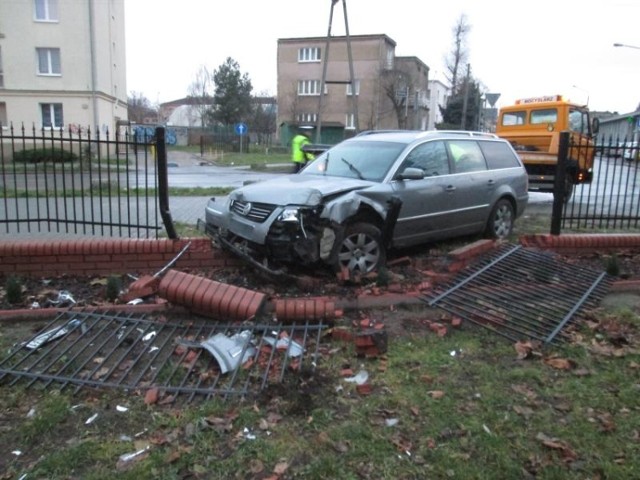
(475, 185)
(426, 211)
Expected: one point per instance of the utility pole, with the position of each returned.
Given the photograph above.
(325, 61)
(463, 121)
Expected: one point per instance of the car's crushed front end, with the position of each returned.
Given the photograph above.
(292, 220)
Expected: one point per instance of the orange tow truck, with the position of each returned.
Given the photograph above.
(533, 127)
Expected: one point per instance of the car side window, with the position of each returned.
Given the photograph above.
(431, 157)
(499, 155)
(467, 156)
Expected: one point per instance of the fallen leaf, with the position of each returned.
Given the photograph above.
(560, 363)
(523, 349)
(436, 394)
(173, 456)
(256, 466)
(280, 468)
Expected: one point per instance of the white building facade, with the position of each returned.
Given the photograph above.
(438, 96)
(62, 64)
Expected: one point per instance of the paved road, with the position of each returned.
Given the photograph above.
(186, 172)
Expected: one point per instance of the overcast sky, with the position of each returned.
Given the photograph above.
(517, 49)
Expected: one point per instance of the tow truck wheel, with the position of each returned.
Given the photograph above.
(501, 220)
(360, 251)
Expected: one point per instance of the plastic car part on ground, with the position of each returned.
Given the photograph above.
(52, 334)
(229, 352)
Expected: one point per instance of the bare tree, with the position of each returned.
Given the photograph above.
(457, 58)
(140, 108)
(199, 93)
(399, 86)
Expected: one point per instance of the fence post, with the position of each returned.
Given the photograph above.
(163, 183)
(559, 184)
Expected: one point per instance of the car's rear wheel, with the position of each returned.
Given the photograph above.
(501, 220)
(361, 250)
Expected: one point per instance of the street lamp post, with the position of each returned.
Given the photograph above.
(624, 45)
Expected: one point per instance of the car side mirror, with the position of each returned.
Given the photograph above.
(595, 125)
(411, 173)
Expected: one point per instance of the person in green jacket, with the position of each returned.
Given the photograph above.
(298, 157)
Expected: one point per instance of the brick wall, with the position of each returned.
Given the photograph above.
(106, 256)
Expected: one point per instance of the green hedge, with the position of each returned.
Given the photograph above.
(50, 155)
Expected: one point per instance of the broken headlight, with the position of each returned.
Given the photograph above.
(289, 215)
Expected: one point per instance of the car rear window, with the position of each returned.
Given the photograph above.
(499, 155)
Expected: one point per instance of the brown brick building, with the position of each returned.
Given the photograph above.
(390, 91)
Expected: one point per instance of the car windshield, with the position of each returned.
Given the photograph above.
(365, 160)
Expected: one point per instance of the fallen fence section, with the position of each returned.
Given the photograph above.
(521, 294)
(185, 361)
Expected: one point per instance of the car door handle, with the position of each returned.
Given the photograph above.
(491, 183)
(450, 188)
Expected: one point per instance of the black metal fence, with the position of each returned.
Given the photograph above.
(611, 202)
(77, 181)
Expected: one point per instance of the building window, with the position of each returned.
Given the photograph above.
(48, 61)
(307, 118)
(309, 87)
(4, 121)
(350, 89)
(46, 10)
(350, 122)
(389, 62)
(51, 115)
(1, 72)
(309, 54)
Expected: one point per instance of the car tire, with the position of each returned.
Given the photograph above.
(500, 223)
(360, 250)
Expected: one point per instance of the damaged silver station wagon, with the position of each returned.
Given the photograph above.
(371, 193)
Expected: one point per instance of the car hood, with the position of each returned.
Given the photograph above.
(297, 189)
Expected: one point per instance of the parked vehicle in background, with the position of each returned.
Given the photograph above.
(630, 152)
(533, 127)
(374, 192)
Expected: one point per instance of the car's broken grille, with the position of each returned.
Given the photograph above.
(257, 212)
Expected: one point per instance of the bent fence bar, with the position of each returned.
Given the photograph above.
(79, 182)
(611, 202)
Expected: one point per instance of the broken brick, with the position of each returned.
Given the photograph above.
(364, 389)
(145, 286)
(151, 396)
(342, 334)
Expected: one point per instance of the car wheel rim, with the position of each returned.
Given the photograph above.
(359, 253)
(502, 222)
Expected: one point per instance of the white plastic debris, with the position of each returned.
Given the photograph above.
(135, 301)
(91, 419)
(31, 413)
(52, 334)
(248, 435)
(359, 378)
(35, 306)
(127, 457)
(64, 299)
(391, 422)
(149, 336)
(122, 409)
(293, 348)
(17, 453)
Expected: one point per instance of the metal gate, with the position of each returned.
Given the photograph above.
(85, 183)
(611, 202)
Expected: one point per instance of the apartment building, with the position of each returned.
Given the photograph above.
(62, 64)
(438, 96)
(387, 91)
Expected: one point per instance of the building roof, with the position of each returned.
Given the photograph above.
(339, 38)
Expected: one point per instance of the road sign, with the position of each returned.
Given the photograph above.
(241, 128)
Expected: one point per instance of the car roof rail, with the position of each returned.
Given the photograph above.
(468, 133)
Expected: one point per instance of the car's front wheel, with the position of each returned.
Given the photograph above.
(501, 220)
(360, 250)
